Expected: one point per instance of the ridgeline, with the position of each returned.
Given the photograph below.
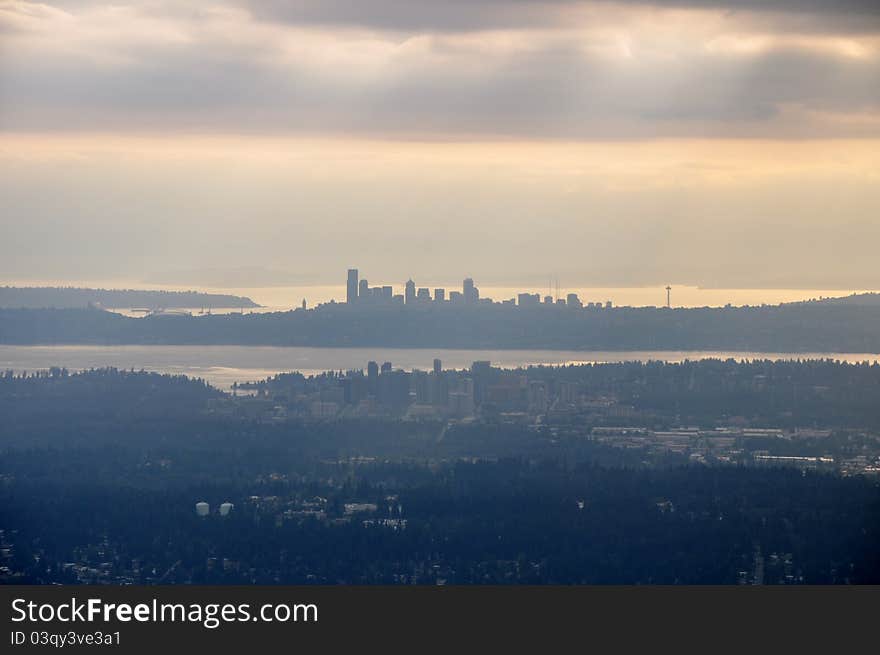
(809, 327)
(73, 297)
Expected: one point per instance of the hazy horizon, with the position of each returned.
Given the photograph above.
(607, 144)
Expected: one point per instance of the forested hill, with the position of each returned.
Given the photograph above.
(785, 328)
(870, 299)
(73, 297)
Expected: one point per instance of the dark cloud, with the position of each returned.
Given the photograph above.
(860, 16)
(229, 78)
(466, 15)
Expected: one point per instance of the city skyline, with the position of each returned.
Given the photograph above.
(358, 291)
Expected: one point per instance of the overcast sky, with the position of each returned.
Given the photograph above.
(610, 143)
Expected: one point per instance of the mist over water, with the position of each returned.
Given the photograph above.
(222, 366)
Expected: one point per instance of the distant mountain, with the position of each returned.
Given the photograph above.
(73, 297)
(869, 299)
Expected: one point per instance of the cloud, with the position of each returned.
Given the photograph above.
(616, 73)
(475, 15)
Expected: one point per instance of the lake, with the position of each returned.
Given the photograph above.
(223, 365)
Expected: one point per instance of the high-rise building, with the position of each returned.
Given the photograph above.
(409, 292)
(364, 290)
(373, 377)
(424, 294)
(439, 295)
(572, 300)
(438, 367)
(351, 288)
(386, 367)
(470, 292)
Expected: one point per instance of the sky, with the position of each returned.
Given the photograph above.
(250, 143)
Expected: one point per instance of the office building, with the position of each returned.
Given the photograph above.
(409, 293)
(351, 289)
(470, 292)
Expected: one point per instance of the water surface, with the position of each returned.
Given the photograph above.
(223, 365)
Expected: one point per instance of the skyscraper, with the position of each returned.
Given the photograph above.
(410, 292)
(373, 378)
(469, 291)
(351, 289)
(364, 290)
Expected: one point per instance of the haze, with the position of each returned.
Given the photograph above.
(609, 144)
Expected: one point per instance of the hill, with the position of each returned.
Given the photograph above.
(74, 297)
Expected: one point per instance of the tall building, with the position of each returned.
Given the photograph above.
(373, 377)
(438, 367)
(572, 300)
(424, 294)
(386, 367)
(351, 288)
(469, 291)
(364, 290)
(409, 294)
(439, 295)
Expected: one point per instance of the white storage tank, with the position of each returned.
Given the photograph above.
(225, 508)
(203, 508)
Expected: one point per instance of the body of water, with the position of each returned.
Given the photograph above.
(224, 365)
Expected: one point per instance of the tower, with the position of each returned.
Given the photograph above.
(470, 292)
(351, 288)
(668, 303)
(410, 292)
